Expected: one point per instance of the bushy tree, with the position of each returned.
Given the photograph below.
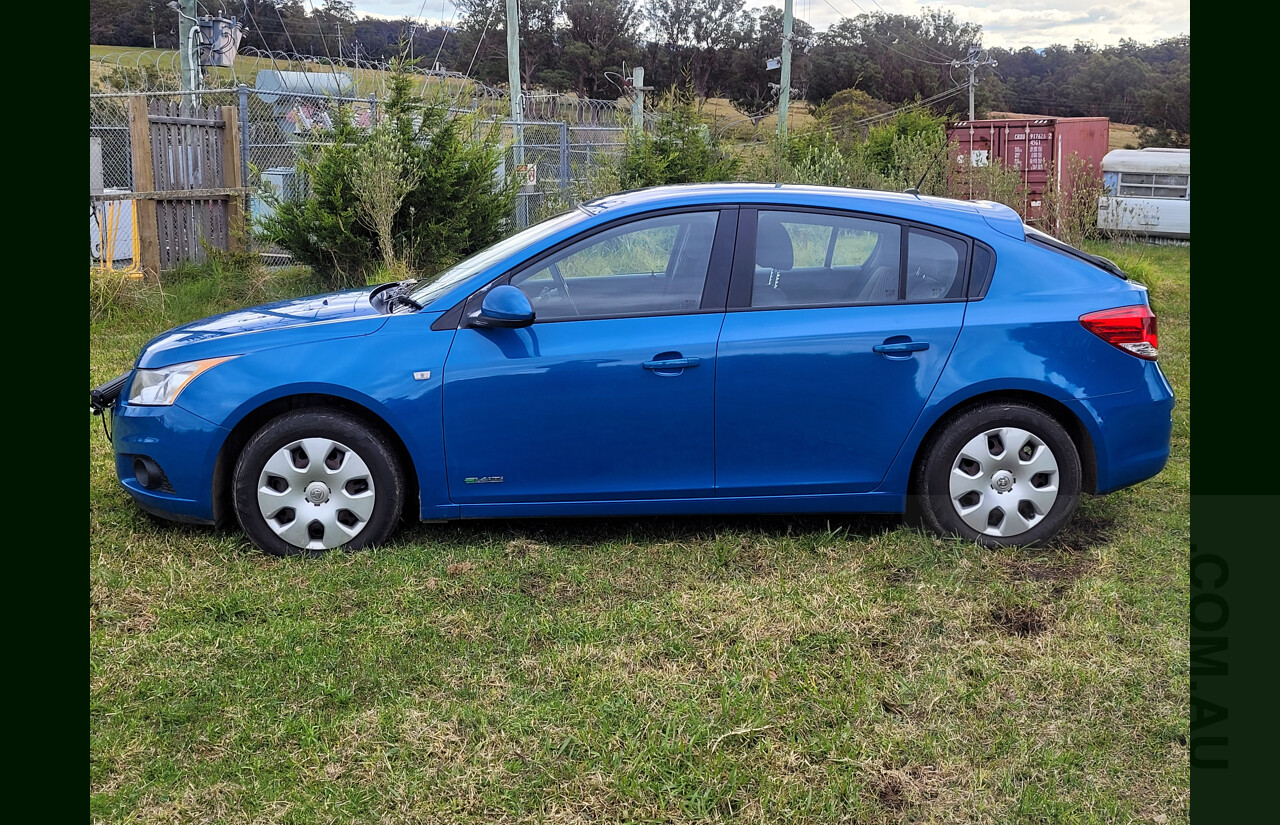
(883, 144)
(680, 148)
(458, 205)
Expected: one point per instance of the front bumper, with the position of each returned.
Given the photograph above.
(165, 458)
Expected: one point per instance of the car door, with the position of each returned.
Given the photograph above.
(608, 395)
(837, 329)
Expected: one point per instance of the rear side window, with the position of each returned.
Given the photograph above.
(935, 267)
(981, 270)
(812, 259)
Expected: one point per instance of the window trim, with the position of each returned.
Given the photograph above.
(739, 298)
(714, 288)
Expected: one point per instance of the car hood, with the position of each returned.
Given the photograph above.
(335, 315)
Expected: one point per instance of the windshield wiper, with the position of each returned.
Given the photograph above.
(399, 294)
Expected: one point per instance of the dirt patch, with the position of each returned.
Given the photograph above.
(1021, 620)
(523, 548)
(1086, 530)
(898, 788)
(890, 791)
(888, 653)
(460, 568)
(891, 707)
(541, 586)
(1059, 569)
(900, 575)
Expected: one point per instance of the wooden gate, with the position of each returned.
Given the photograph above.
(187, 181)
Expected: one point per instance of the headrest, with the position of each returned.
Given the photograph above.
(773, 244)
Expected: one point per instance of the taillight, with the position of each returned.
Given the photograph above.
(1132, 329)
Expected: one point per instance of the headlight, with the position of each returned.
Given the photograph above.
(160, 387)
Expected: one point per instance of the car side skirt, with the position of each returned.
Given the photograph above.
(760, 505)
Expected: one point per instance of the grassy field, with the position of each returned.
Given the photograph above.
(755, 670)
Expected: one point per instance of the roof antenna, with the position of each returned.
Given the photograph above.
(915, 190)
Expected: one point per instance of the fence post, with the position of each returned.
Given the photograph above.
(144, 182)
(232, 179)
(564, 157)
(242, 93)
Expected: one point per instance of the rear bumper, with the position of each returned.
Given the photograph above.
(1130, 430)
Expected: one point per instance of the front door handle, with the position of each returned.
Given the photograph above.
(671, 363)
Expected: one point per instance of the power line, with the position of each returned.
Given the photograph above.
(444, 32)
(480, 42)
(923, 44)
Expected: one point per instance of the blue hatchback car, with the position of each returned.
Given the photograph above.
(735, 348)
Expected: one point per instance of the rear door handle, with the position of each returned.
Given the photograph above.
(901, 347)
(672, 364)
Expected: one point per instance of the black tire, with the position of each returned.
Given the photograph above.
(1001, 474)
(316, 480)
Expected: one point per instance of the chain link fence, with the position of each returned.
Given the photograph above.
(560, 148)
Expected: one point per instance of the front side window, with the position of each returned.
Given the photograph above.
(649, 266)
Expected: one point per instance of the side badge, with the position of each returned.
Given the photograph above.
(483, 480)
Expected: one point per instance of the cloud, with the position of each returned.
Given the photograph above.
(1009, 24)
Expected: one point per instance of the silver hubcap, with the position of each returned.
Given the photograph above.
(316, 493)
(1004, 481)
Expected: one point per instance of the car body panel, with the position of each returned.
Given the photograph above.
(315, 318)
(568, 411)
(786, 409)
(804, 405)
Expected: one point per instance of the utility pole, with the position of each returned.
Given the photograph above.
(637, 97)
(188, 56)
(784, 94)
(513, 77)
(971, 62)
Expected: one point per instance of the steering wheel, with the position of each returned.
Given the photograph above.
(563, 286)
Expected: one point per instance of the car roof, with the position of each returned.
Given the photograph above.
(945, 212)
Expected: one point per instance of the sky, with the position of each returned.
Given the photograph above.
(1007, 24)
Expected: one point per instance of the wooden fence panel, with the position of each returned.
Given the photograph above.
(187, 182)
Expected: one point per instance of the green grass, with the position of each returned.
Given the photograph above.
(643, 670)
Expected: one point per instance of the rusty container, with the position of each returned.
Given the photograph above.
(1039, 149)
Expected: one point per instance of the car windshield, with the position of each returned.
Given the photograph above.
(487, 257)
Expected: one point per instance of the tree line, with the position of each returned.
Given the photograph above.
(719, 48)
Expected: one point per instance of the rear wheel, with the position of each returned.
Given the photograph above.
(1001, 474)
(315, 480)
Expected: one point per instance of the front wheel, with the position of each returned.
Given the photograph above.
(315, 480)
(1001, 474)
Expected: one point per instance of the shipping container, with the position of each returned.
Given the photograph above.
(1036, 148)
(1148, 193)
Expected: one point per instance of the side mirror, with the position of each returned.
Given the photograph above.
(503, 306)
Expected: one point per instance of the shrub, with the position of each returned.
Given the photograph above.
(680, 149)
(1073, 216)
(457, 205)
(989, 182)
